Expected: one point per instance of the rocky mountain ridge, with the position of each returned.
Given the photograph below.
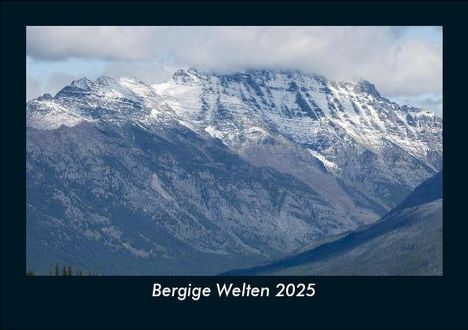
(235, 168)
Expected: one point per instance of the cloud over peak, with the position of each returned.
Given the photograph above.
(401, 61)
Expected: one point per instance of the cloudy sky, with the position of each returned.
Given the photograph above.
(405, 63)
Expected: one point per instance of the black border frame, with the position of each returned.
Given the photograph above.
(126, 302)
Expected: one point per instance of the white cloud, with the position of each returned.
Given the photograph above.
(430, 102)
(400, 61)
(33, 88)
(62, 42)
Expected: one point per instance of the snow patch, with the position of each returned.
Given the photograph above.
(329, 165)
(214, 132)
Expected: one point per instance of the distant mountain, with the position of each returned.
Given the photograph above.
(381, 149)
(210, 172)
(407, 241)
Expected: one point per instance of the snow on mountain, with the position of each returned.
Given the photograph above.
(303, 107)
(209, 172)
(343, 123)
(104, 99)
(246, 105)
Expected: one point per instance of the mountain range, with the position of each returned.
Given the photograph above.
(210, 172)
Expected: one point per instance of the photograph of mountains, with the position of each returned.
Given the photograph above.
(234, 150)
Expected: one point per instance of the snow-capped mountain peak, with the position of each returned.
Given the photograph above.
(256, 163)
(322, 115)
(82, 83)
(298, 105)
(106, 98)
(186, 76)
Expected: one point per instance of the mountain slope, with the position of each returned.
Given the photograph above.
(377, 147)
(407, 241)
(163, 194)
(212, 172)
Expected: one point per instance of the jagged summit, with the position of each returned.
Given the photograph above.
(369, 88)
(105, 99)
(82, 83)
(191, 75)
(234, 167)
(245, 106)
(45, 97)
(104, 80)
(296, 103)
(185, 76)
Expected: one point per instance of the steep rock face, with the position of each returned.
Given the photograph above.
(364, 139)
(212, 172)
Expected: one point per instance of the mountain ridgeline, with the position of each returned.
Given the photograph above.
(211, 172)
